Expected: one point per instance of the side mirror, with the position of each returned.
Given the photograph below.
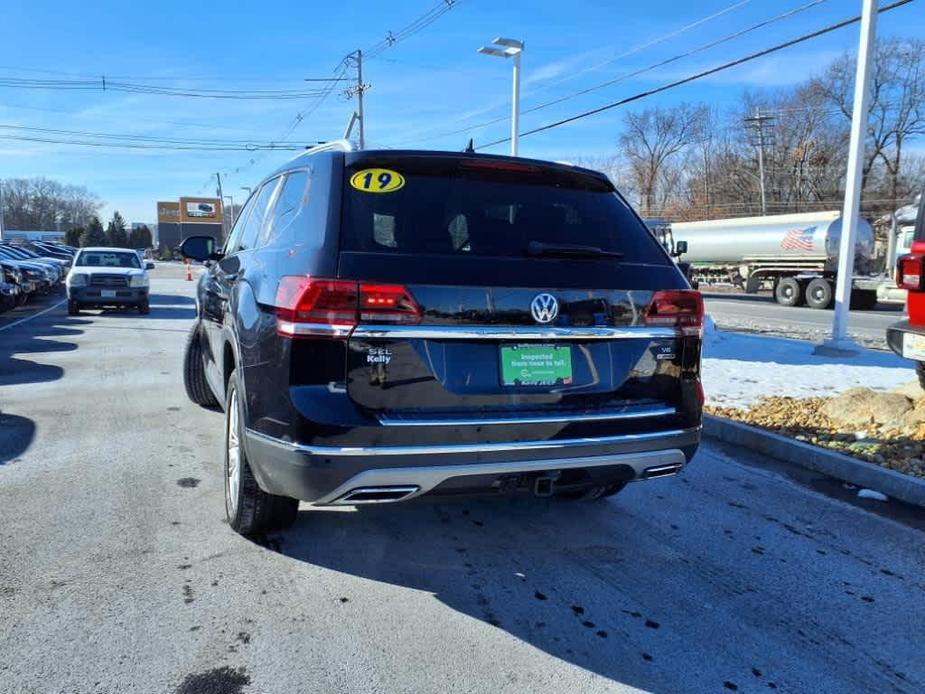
(680, 247)
(149, 265)
(200, 248)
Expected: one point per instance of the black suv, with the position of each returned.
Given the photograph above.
(386, 324)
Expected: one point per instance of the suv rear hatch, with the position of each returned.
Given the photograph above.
(494, 290)
(525, 289)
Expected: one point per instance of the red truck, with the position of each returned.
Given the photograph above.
(907, 338)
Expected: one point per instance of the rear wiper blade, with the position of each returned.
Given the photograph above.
(568, 250)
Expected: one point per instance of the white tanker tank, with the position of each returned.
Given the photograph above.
(796, 255)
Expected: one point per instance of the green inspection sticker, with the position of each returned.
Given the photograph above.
(536, 365)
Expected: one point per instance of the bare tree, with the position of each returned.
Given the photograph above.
(44, 204)
(650, 139)
(897, 103)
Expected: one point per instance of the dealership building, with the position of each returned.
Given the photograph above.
(189, 217)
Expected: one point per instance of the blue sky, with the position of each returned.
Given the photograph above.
(429, 85)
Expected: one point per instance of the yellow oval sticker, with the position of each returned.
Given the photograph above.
(377, 180)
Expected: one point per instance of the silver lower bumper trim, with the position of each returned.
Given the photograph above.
(425, 478)
(491, 447)
(569, 417)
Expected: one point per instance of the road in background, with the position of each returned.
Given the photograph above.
(759, 313)
(118, 572)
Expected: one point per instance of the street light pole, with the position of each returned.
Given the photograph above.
(510, 48)
(515, 108)
(248, 189)
(852, 205)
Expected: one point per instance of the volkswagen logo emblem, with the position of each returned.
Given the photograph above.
(544, 308)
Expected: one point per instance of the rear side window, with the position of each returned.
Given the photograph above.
(258, 216)
(444, 207)
(232, 244)
(292, 198)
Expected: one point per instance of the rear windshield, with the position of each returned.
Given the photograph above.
(108, 259)
(449, 206)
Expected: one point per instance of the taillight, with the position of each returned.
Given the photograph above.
(677, 308)
(312, 300)
(909, 271)
(389, 303)
(325, 307)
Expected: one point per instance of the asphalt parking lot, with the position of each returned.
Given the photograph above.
(118, 572)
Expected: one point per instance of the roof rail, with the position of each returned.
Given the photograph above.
(338, 145)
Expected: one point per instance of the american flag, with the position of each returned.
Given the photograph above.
(798, 239)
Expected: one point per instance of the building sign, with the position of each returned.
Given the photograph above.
(193, 210)
(168, 212)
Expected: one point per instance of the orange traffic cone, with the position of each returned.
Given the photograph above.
(189, 271)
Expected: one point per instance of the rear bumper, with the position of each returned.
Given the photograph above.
(895, 332)
(325, 475)
(94, 296)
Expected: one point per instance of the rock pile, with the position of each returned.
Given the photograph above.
(885, 428)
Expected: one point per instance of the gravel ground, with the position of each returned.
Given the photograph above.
(805, 420)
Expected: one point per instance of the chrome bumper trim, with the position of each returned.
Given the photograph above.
(313, 329)
(334, 451)
(518, 332)
(428, 477)
(639, 413)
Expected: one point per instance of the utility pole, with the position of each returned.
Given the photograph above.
(1, 210)
(230, 198)
(221, 198)
(757, 122)
(851, 212)
(357, 91)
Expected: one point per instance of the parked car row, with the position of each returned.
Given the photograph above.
(31, 268)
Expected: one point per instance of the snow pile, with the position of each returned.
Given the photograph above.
(738, 370)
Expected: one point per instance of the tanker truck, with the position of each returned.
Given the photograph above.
(794, 255)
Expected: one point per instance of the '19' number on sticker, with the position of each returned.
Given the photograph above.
(377, 181)
(384, 179)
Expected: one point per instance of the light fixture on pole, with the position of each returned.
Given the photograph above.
(248, 189)
(510, 48)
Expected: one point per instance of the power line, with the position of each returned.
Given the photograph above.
(699, 75)
(652, 42)
(130, 137)
(139, 145)
(102, 84)
(341, 69)
(654, 66)
(422, 22)
(156, 78)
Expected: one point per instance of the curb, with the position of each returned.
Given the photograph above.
(894, 484)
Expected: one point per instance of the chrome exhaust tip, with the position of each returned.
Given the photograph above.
(375, 495)
(662, 471)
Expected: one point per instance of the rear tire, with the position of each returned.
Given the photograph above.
(73, 308)
(194, 372)
(250, 510)
(819, 294)
(788, 292)
(920, 372)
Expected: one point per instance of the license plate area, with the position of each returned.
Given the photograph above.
(108, 293)
(914, 346)
(535, 365)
